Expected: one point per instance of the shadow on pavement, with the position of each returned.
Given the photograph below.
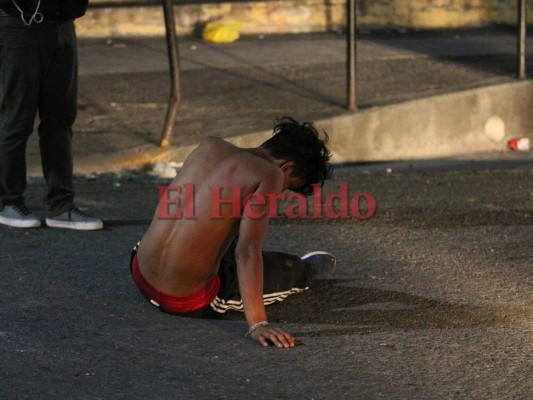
(356, 311)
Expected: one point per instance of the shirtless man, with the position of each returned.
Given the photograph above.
(202, 253)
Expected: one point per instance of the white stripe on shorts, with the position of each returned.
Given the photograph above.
(221, 306)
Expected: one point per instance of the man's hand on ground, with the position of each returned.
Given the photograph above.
(275, 335)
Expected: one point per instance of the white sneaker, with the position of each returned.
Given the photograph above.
(319, 264)
(75, 219)
(18, 216)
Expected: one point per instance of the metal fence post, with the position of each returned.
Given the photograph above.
(351, 55)
(173, 57)
(522, 27)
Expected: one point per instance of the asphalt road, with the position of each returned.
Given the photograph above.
(432, 298)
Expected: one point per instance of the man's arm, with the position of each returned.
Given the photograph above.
(249, 259)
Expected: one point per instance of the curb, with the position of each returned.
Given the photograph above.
(140, 157)
(446, 125)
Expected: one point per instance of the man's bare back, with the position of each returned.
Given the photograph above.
(179, 257)
(223, 196)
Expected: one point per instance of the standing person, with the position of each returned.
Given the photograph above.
(202, 254)
(39, 75)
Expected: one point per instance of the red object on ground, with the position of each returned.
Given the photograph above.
(521, 144)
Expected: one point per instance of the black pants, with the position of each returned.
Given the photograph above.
(283, 275)
(38, 74)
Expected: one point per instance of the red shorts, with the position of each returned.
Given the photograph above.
(173, 304)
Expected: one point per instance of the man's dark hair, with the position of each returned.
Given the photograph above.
(301, 143)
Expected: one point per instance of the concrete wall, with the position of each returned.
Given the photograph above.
(467, 122)
(438, 13)
(290, 16)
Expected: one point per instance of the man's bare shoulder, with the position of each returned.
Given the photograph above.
(220, 159)
(210, 151)
(212, 146)
(249, 158)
